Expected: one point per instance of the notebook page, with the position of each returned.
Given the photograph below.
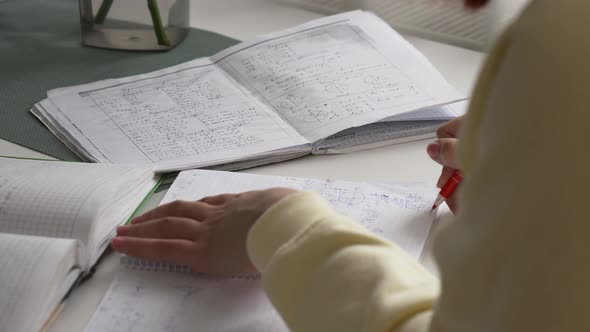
(337, 72)
(57, 199)
(387, 210)
(396, 129)
(33, 279)
(125, 197)
(174, 302)
(124, 194)
(191, 114)
(64, 130)
(144, 298)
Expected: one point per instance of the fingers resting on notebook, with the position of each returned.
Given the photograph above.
(208, 235)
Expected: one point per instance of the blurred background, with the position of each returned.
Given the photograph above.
(446, 21)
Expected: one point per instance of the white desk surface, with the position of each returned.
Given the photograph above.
(243, 20)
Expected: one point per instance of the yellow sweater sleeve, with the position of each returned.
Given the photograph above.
(515, 259)
(324, 272)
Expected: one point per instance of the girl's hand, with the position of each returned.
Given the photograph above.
(208, 235)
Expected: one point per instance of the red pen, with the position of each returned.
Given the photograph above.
(448, 189)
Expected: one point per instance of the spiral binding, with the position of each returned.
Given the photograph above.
(152, 266)
(155, 266)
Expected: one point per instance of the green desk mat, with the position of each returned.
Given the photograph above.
(40, 49)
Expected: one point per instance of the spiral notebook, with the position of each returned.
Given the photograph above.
(150, 296)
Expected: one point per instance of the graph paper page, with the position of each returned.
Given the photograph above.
(33, 279)
(58, 199)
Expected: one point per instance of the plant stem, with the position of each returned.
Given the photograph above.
(103, 10)
(158, 28)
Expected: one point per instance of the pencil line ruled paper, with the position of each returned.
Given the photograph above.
(185, 113)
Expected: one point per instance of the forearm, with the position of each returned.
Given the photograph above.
(324, 272)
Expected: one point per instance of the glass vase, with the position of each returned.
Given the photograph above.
(140, 25)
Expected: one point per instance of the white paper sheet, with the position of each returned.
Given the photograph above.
(335, 73)
(69, 200)
(145, 298)
(34, 279)
(388, 210)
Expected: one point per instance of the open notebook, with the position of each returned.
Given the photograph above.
(56, 219)
(280, 96)
(150, 296)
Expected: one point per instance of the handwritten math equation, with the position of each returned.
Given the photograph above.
(322, 76)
